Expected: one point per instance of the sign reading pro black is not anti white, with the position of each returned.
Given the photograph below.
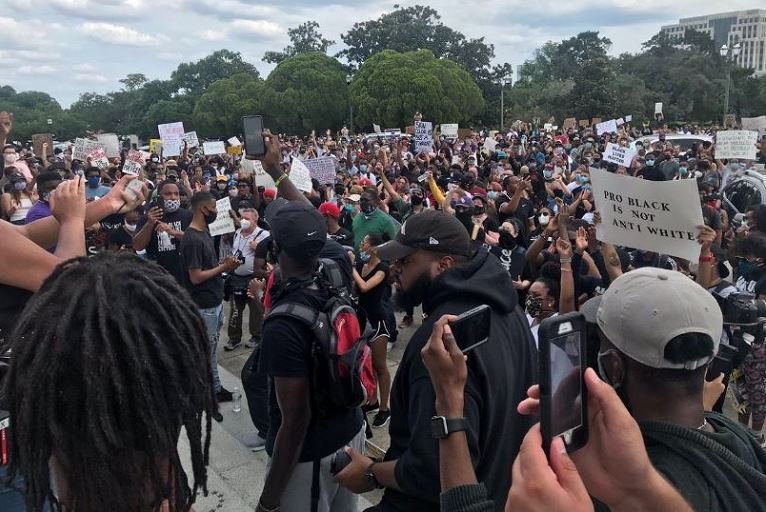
(657, 216)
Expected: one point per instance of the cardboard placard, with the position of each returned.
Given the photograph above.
(234, 150)
(214, 148)
(619, 155)
(376, 128)
(757, 124)
(191, 139)
(255, 167)
(82, 147)
(300, 176)
(464, 133)
(450, 130)
(629, 118)
(658, 108)
(234, 141)
(739, 144)
(570, 122)
(658, 216)
(322, 169)
(423, 140)
(595, 120)
(223, 222)
(584, 123)
(172, 136)
(134, 162)
(98, 158)
(111, 144)
(730, 120)
(155, 146)
(606, 127)
(38, 140)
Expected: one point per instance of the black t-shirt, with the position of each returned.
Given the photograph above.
(342, 236)
(12, 302)
(372, 301)
(286, 352)
(525, 209)
(197, 251)
(165, 251)
(120, 237)
(512, 260)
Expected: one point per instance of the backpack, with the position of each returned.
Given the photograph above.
(343, 376)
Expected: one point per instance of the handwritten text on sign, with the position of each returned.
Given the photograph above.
(657, 216)
(735, 144)
(619, 155)
(223, 222)
(423, 137)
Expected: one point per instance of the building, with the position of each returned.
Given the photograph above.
(748, 28)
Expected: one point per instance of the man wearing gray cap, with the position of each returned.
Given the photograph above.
(658, 331)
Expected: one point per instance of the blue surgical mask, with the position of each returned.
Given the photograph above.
(582, 179)
(548, 175)
(683, 170)
(364, 257)
(650, 163)
(492, 194)
(94, 181)
(362, 168)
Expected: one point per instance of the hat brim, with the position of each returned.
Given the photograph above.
(590, 309)
(393, 250)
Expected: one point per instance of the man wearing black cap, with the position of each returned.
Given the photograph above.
(434, 264)
(300, 443)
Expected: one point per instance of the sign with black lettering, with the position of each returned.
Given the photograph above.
(619, 155)
(657, 216)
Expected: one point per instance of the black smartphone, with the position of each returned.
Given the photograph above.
(563, 395)
(339, 461)
(722, 363)
(252, 127)
(471, 329)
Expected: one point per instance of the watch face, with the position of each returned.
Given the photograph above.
(439, 427)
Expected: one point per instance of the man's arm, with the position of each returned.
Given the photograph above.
(199, 276)
(293, 397)
(392, 193)
(271, 164)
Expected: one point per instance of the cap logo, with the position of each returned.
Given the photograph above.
(432, 241)
(311, 234)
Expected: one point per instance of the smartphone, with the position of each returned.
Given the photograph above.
(252, 127)
(722, 363)
(471, 329)
(339, 461)
(422, 178)
(563, 395)
(135, 186)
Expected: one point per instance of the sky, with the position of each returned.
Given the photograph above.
(67, 47)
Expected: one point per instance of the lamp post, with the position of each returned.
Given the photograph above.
(503, 81)
(729, 54)
(351, 107)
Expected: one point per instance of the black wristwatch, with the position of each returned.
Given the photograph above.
(442, 427)
(371, 476)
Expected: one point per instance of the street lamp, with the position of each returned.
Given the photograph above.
(729, 54)
(505, 79)
(351, 107)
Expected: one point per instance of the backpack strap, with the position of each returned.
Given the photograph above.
(303, 313)
(332, 270)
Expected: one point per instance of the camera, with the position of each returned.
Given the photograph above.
(239, 257)
(743, 309)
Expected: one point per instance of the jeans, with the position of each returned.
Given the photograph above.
(255, 318)
(213, 318)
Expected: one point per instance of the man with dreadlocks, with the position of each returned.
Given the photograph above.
(99, 395)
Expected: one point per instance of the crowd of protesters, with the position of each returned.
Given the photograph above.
(112, 302)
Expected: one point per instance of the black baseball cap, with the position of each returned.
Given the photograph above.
(299, 229)
(430, 230)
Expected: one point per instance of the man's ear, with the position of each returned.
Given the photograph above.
(446, 263)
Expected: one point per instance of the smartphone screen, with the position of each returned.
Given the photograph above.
(252, 127)
(471, 329)
(565, 362)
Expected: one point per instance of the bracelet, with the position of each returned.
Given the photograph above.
(276, 184)
(707, 259)
(566, 269)
(264, 509)
(565, 260)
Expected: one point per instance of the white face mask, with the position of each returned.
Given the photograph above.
(544, 219)
(234, 192)
(130, 227)
(245, 224)
(11, 158)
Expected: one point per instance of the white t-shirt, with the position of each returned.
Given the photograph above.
(242, 243)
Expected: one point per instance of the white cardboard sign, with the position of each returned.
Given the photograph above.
(755, 123)
(606, 127)
(214, 148)
(450, 130)
(300, 176)
(736, 144)
(191, 139)
(111, 144)
(255, 167)
(423, 140)
(376, 128)
(658, 216)
(619, 155)
(234, 141)
(658, 108)
(172, 136)
(82, 147)
(322, 169)
(223, 222)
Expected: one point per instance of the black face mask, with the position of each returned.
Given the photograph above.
(507, 241)
(210, 217)
(416, 200)
(464, 216)
(479, 210)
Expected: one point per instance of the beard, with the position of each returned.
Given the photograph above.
(415, 295)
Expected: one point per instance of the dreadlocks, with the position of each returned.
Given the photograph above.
(109, 360)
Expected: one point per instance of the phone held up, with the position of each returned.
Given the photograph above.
(471, 329)
(563, 395)
(252, 127)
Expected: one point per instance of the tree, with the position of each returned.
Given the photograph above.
(219, 111)
(304, 38)
(194, 77)
(134, 81)
(306, 92)
(391, 86)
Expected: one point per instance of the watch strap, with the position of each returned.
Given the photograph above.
(442, 427)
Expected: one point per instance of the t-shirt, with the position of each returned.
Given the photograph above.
(40, 210)
(372, 301)
(286, 352)
(198, 252)
(93, 193)
(523, 211)
(752, 284)
(512, 260)
(163, 248)
(241, 243)
(377, 222)
(121, 238)
(342, 236)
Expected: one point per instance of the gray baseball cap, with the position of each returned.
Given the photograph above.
(643, 310)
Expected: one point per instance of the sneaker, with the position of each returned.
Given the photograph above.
(406, 322)
(231, 345)
(223, 395)
(252, 343)
(381, 419)
(370, 407)
(259, 445)
(217, 416)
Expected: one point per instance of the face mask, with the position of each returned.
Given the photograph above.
(684, 171)
(416, 200)
(155, 160)
(94, 181)
(507, 240)
(650, 163)
(543, 220)
(20, 185)
(233, 192)
(492, 195)
(548, 175)
(171, 205)
(45, 196)
(11, 158)
(364, 257)
(349, 208)
(534, 306)
(582, 179)
(363, 168)
(130, 227)
(222, 186)
(479, 210)
(601, 371)
(368, 208)
(245, 224)
(210, 217)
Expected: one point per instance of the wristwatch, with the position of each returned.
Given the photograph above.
(442, 427)
(370, 474)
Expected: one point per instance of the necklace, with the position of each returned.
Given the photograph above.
(704, 424)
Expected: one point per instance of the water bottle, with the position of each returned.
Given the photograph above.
(236, 400)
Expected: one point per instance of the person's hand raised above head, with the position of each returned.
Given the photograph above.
(68, 201)
(122, 199)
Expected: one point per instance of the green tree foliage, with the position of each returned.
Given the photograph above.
(391, 86)
(219, 111)
(307, 91)
(32, 110)
(304, 38)
(195, 77)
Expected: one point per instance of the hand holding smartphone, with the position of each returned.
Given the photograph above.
(471, 329)
(252, 127)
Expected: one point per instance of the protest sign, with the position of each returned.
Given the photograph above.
(234, 142)
(191, 139)
(133, 141)
(234, 150)
(595, 120)
(629, 118)
(490, 145)
(223, 222)
(155, 146)
(376, 128)
(735, 144)
(82, 147)
(547, 127)
(98, 158)
(450, 130)
(423, 137)
(606, 127)
(214, 148)
(110, 143)
(172, 136)
(570, 122)
(620, 121)
(730, 120)
(262, 178)
(619, 155)
(322, 169)
(464, 133)
(658, 108)
(300, 176)
(38, 140)
(658, 216)
(134, 162)
(755, 123)
(584, 123)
